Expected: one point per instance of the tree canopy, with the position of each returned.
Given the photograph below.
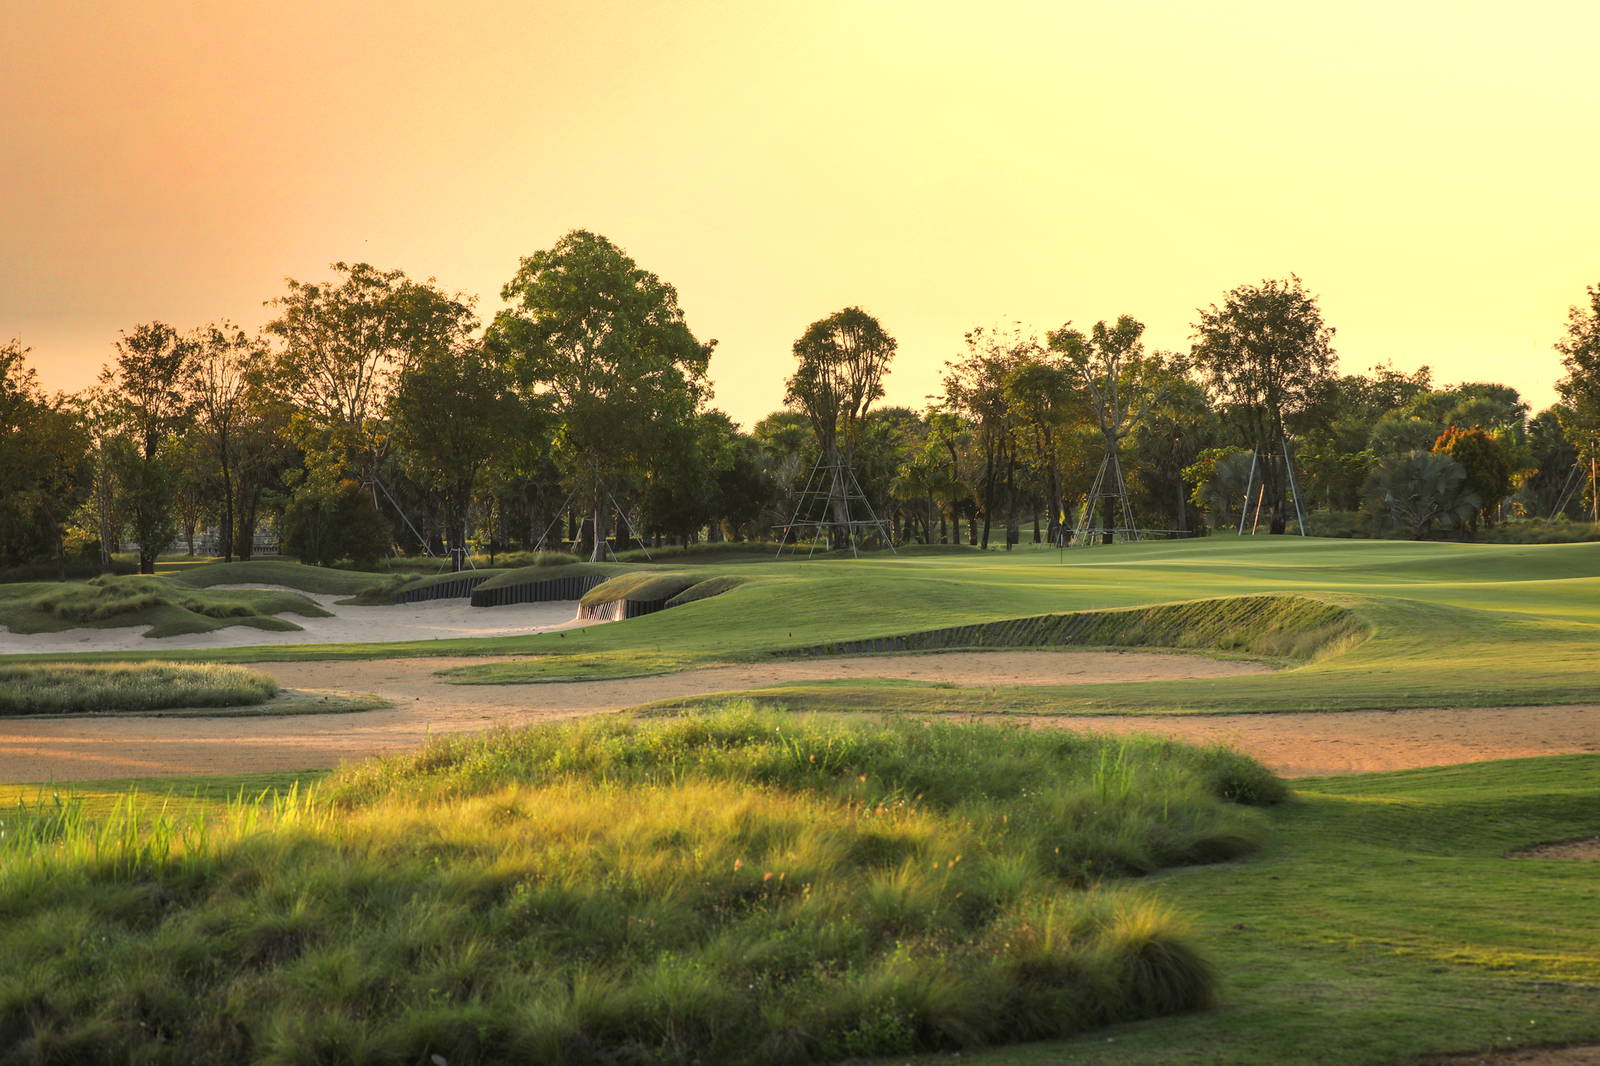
(842, 360)
(1265, 352)
(606, 340)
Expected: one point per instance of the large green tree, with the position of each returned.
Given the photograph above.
(1045, 397)
(1486, 463)
(1580, 388)
(1419, 492)
(44, 466)
(1265, 352)
(343, 345)
(1122, 382)
(218, 386)
(147, 409)
(977, 389)
(606, 342)
(842, 360)
(453, 413)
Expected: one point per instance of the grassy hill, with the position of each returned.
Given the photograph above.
(731, 888)
(1385, 916)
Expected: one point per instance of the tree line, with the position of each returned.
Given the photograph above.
(375, 413)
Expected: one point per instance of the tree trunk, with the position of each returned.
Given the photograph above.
(600, 530)
(843, 534)
(988, 497)
(244, 517)
(1013, 527)
(227, 517)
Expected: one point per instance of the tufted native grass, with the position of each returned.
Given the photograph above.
(91, 688)
(739, 887)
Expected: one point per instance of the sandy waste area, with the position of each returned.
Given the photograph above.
(426, 705)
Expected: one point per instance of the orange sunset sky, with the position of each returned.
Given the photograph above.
(1430, 169)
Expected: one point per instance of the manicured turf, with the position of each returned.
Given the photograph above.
(1449, 624)
(1385, 921)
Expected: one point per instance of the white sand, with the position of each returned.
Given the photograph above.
(429, 620)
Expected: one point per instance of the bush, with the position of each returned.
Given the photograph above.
(1347, 524)
(70, 570)
(1540, 531)
(322, 528)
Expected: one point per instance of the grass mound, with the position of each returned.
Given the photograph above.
(739, 888)
(1281, 627)
(704, 590)
(80, 688)
(166, 606)
(525, 574)
(322, 580)
(645, 586)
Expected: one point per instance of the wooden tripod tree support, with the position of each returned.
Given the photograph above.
(831, 483)
(1261, 493)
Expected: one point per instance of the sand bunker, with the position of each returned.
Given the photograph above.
(79, 749)
(428, 620)
(1292, 744)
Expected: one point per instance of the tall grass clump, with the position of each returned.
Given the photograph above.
(512, 560)
(734, 888)
(167, 607)
(88, 688)
(704, 551)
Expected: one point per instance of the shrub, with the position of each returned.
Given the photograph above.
(323, 527)
(1540, 531)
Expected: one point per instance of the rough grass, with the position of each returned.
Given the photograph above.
(84, 688)
(1279, 627)
(744, 888)
(167, 606)
(514, 560)
(1382, 921)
